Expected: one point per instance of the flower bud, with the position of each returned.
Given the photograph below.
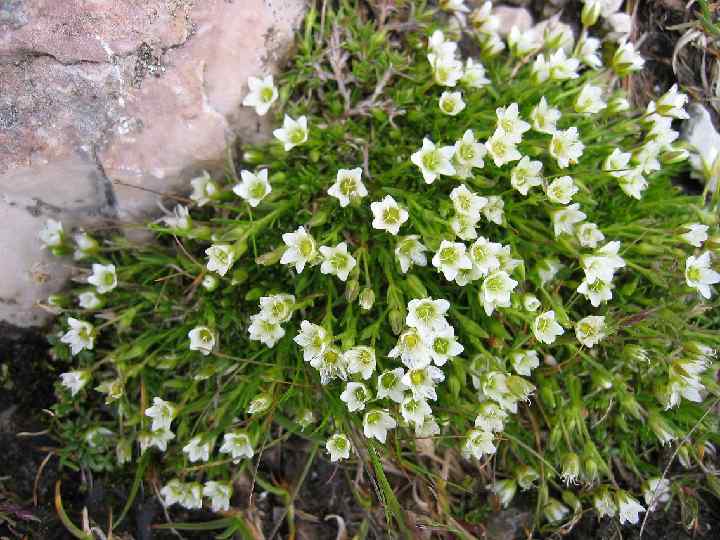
(397, 321)
(601, 380)
(253, 157)
(57, 300)
(367, 299)
(210, 282)
(661, 428)
(590, 13)
(572, 501)
(618, 104)
(555, 511)
(676, 155)
(123, 451)
(415, 286)
(591, 471)
(352, 289)
(570, 468)
(531, 302)
(526, 476)
(505, 491)
(319, 218)
(260, 404)
(629, 404)
(684, 456)
(271, 257)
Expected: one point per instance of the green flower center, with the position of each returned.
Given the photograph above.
(373, 417)
(499, 147)
(205, 336)
(467, 152)
(331, 357)
(340, 443)
(426, 312)
(431, 160)
(297, 135)
(257, 190)
(449, 256)
(339, 261)
(266, 94)
(441, 345)
(417, 377)
(693, 273)
(388, 380)
(360, 394)
(448, 105)
(306, 247)
(391, 215)
(348, 187)
(411, 341)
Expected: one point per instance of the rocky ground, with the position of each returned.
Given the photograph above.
(676, 46)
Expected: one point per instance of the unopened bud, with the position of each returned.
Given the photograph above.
(590, 13)
(526, 476)
(572, 501)
(319, 218)
(271, 257)
(367, 298)
(531, 302)
(618, 104)
(253, 157)
(415, 286)
(505, 491)
(570, 468)
(210, 282)
(676, 155)
(352, 289)
(397, 321)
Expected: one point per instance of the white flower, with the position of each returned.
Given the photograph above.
(548, 269)
(313, 339)
(494, 209)
(204, 189)
(484, 255)
(566, 147)
(696, 235)
(260, 403)
(525, 175)
(220, 258)
(361, 359)
(428, 428)
(483, 21)
(330, 364)
(490, 417)
(85, 244)
(348, 186)
(633, 183)
(300, 249)
(589, 100)
(202, 339)
(628, 508)
(544, 117)
(590, 330)
(561, 190)
(545, 328)
(264, 330)
(565, 219)
(468, 154)
(670, 104)
(411, 349)
(293, 132)
(444, 346)
(491, 44)
(626, 59)
(173, 492)
(254, 187)
(555, 511)
(52, 234)
(388, 215)
(356, 395)
(162, 413)
(159, 439)
(587, 52)
(338, 446)
(510, 123)
(478, 443)
(219, 494)
(561, 67)
(376, 423)
(656, 492)
(474, 76)
(422, 380)
(277, 308)
(467, 202)
(414, 410)
(617, 162)
(409, 250)
(450, 258)
(524, 362)
(502, 148)
(180, 219)
(447, 71)
(193, 496)
(81, 335)
(453, 6)
(589, 235)
(523, 42)
(495, 291)
(104, 277)
(198, 449)
(451, 103)
(557, 35)
(441, 47)
(427, 315)
(262, 94)
(89, 300)
(237, 444)
(604, 503)
(699, 275)
(464, 226)
(75, 380)
(433, 161)
(390, 385)
(603, 263)
(540, 69)
(597, 291)
(337, 261)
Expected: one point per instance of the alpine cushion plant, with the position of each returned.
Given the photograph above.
(511, 279)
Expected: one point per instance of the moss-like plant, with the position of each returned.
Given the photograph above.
(479, 255)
